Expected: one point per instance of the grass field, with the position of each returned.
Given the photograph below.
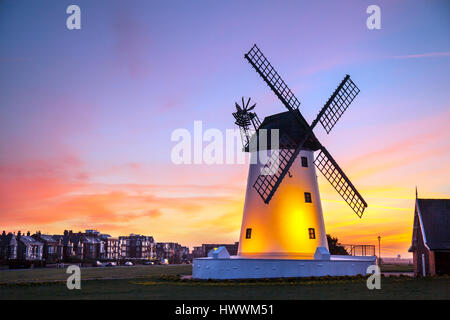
(160, 282)
(397, 268)
(45, 274)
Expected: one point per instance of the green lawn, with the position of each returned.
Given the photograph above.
(46, 274)
(397, 268)
(155, 282)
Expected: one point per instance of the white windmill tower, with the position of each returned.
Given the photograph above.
(282, 220)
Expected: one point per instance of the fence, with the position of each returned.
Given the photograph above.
(359, 249)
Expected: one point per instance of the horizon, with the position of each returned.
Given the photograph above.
(15, 232)
(87, 115)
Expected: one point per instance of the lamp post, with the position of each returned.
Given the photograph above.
(379, 251)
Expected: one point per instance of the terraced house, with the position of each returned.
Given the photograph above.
(8, 246)
(53, 248)
(29, 248)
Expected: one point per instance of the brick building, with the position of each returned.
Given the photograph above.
(53, 248)
(112, 247)
(8, 246)
(171, 252)
(431, 237)
(29, 248)
(137, 246)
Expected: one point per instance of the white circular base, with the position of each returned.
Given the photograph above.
(237, 267)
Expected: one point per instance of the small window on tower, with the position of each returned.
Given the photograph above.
(304, 162)
(248, 233)
(308, 197)
(312, 233)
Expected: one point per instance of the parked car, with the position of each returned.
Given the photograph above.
(148, 263)
(110, 264)
(97, 264)
(128, 263)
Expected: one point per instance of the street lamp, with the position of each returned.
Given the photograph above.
(379, 250)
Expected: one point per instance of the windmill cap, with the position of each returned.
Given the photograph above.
(288, 125)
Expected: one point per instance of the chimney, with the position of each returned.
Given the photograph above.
(3, 233)
(28, 233)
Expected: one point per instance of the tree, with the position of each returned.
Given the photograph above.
(334, 247)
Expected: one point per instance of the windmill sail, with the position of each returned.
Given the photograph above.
(272, 78)
(334, 174)
(336, 105)
(276, 168)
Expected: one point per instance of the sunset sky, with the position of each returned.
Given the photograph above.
(86, 116)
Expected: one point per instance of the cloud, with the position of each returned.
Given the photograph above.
(25, 183)
(154, 213)
(403, 146)
(424, 55)
(56, 194)
(131, 37)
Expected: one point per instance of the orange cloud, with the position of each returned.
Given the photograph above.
(154, 213)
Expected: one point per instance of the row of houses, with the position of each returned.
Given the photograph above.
(87, 246)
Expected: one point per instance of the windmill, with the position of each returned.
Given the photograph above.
(283, 231)
(244, 120)
(283, 223)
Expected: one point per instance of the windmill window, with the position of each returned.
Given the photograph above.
(305, 162)
(248, 233)
(308, 197)
(312, 233)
